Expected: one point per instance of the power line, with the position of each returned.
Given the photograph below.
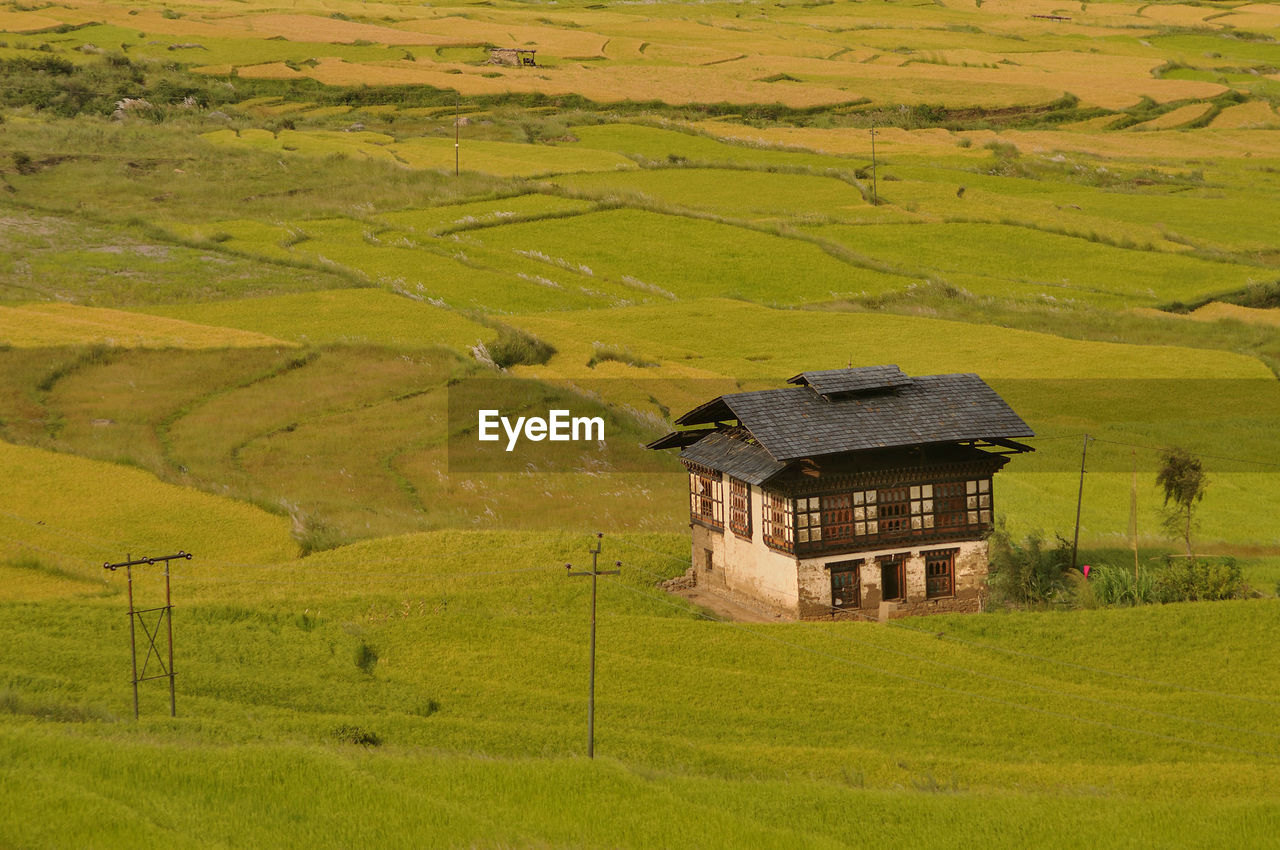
(383, 578)
(1210, 457)
(138, 617)
(1149, 448)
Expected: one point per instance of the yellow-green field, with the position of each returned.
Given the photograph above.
(48, 325)
(249, 256)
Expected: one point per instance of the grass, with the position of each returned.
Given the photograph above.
(1039, 260)
(437, 220)
(51, 325)
(470, 688)
(703, 334)
(662, 145)
(74, 514)
(355, 316)
(732, 193)
(702, 257)
(275, 428)
(502, 159)
(67, 258)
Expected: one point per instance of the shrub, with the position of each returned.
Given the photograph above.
(1195, 579)
(515, 347)
(349, 733)
(604, 353)
(1179, 580)
(313, 534)
(1027, 572)
(366, 658)
(1260, 294)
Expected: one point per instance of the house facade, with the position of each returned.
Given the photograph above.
(858, 492)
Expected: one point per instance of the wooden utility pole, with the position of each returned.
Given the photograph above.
(1133, 513)
(591, 695)
(457, 134)
(874, 196)
(1075, 541)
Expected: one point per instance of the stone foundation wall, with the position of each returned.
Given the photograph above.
(950, 605)
(969, 578)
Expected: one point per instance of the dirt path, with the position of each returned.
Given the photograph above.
(725, 609)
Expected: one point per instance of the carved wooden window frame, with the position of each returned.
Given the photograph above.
(740, 508)
(939, 573)
(706, 498)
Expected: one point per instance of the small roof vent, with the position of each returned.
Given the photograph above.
(864, 380)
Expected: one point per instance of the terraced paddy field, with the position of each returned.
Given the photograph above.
(249, 255)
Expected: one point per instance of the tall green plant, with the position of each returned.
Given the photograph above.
(1118, 586)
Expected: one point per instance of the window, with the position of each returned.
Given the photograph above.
(864, 513)
(845, 585)
(708, 562)
(893, 511)
(846, 517)
(921, 507)
(740, 507)
(949, 505)
(706, 502)
(978, 501)
(858, 519)
(837, 518)
(776, 521)
(808, 520)
(939, 573)
(893, 579)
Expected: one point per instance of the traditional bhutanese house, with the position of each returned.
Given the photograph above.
(857, 492)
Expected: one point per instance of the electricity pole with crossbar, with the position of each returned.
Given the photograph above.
(164, 614)
(591, 698)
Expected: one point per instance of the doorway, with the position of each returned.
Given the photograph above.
(893, 579)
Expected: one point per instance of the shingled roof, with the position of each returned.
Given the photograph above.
(793, 423)
(745, 460)
(864, 379)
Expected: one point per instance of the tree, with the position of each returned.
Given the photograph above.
(1184, 482)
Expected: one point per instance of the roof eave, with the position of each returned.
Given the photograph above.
(708, 413)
